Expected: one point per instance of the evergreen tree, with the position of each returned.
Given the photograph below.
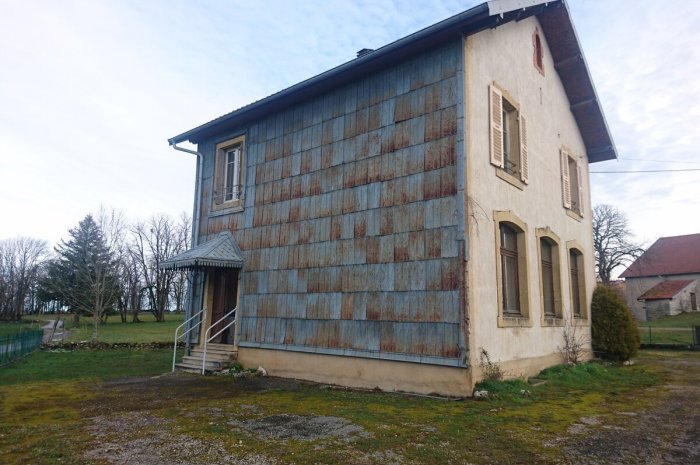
(84, 274)
(613, 330)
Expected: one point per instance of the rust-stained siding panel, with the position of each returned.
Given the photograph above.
(351, 228)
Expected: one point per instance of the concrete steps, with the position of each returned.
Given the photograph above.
(219, 358)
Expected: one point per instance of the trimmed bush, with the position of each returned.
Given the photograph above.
(613, 331)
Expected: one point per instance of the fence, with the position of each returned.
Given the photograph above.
(18, 345)
(652, 335)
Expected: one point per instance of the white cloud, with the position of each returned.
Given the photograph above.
(90, 91)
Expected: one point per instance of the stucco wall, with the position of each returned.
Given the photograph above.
(505, 55)
(352, 229)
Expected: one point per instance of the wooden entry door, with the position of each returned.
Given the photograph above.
(224, 282)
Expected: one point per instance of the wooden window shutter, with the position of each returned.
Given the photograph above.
(524, 169)
(496, 105)
(565, 180)
(580, 187)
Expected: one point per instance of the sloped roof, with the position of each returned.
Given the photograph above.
(220, 252)
(556, 25)
(668, 256)
(665, 290)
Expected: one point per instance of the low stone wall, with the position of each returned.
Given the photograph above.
(97, 345)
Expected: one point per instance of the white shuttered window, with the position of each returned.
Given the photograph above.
(508, 135)
(571, 182)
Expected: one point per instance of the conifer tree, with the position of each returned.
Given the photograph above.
(84, 273)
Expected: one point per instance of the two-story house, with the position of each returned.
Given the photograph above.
(379, 224)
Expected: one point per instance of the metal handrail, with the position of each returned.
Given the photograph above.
(204, 319)
(208, 339)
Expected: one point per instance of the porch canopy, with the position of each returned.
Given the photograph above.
(220, 252)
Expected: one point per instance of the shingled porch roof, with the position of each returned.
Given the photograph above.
(220, 252)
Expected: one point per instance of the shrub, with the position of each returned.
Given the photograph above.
(613, 331)
(490, 370)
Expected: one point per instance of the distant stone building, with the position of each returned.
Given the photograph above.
(670, 298)
(675, 258)
(380, 224)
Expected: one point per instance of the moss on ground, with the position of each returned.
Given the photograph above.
(43, 422)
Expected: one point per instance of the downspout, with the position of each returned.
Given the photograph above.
(195, 219)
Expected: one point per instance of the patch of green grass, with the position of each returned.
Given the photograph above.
(148, 330)
(675, 329)
(46, 365)
(14, 327)
(684, 320)
(113, 331)
(506, 428)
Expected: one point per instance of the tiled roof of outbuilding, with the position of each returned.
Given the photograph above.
(668, 256)
(665, 290)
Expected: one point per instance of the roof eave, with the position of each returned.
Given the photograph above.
(571, 65)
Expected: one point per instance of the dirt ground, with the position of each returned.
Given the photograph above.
(667, 433)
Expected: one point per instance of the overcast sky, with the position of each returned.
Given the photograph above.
(91, 90)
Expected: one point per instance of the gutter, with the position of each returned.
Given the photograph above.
(198, 182)
(195, 222)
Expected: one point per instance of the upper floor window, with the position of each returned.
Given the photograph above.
(229, 174)
(232, 182)
(537, 52)
(571, 182)
(508, 136)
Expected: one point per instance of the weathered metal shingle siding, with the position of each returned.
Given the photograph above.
(351, 229)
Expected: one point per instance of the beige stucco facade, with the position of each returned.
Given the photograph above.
(505, 56)
(362, 373)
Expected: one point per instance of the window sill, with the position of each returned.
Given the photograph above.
(574, 215)
(514, 322)
(549, 321)
(510, 179)
(580, 321)
(232, 206)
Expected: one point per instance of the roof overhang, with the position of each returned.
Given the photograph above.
(557, 28)
(220, 252)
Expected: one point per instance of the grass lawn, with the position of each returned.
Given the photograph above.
(113, 331)
(61, 365)
(671, 329)
(51, 398)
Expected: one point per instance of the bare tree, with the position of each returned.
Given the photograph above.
(612, 241)
(114, 228)
(20, 262)
(154, 242)
(181, 278)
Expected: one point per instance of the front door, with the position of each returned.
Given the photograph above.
(224, 284)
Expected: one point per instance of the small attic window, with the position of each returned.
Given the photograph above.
(538, 53)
